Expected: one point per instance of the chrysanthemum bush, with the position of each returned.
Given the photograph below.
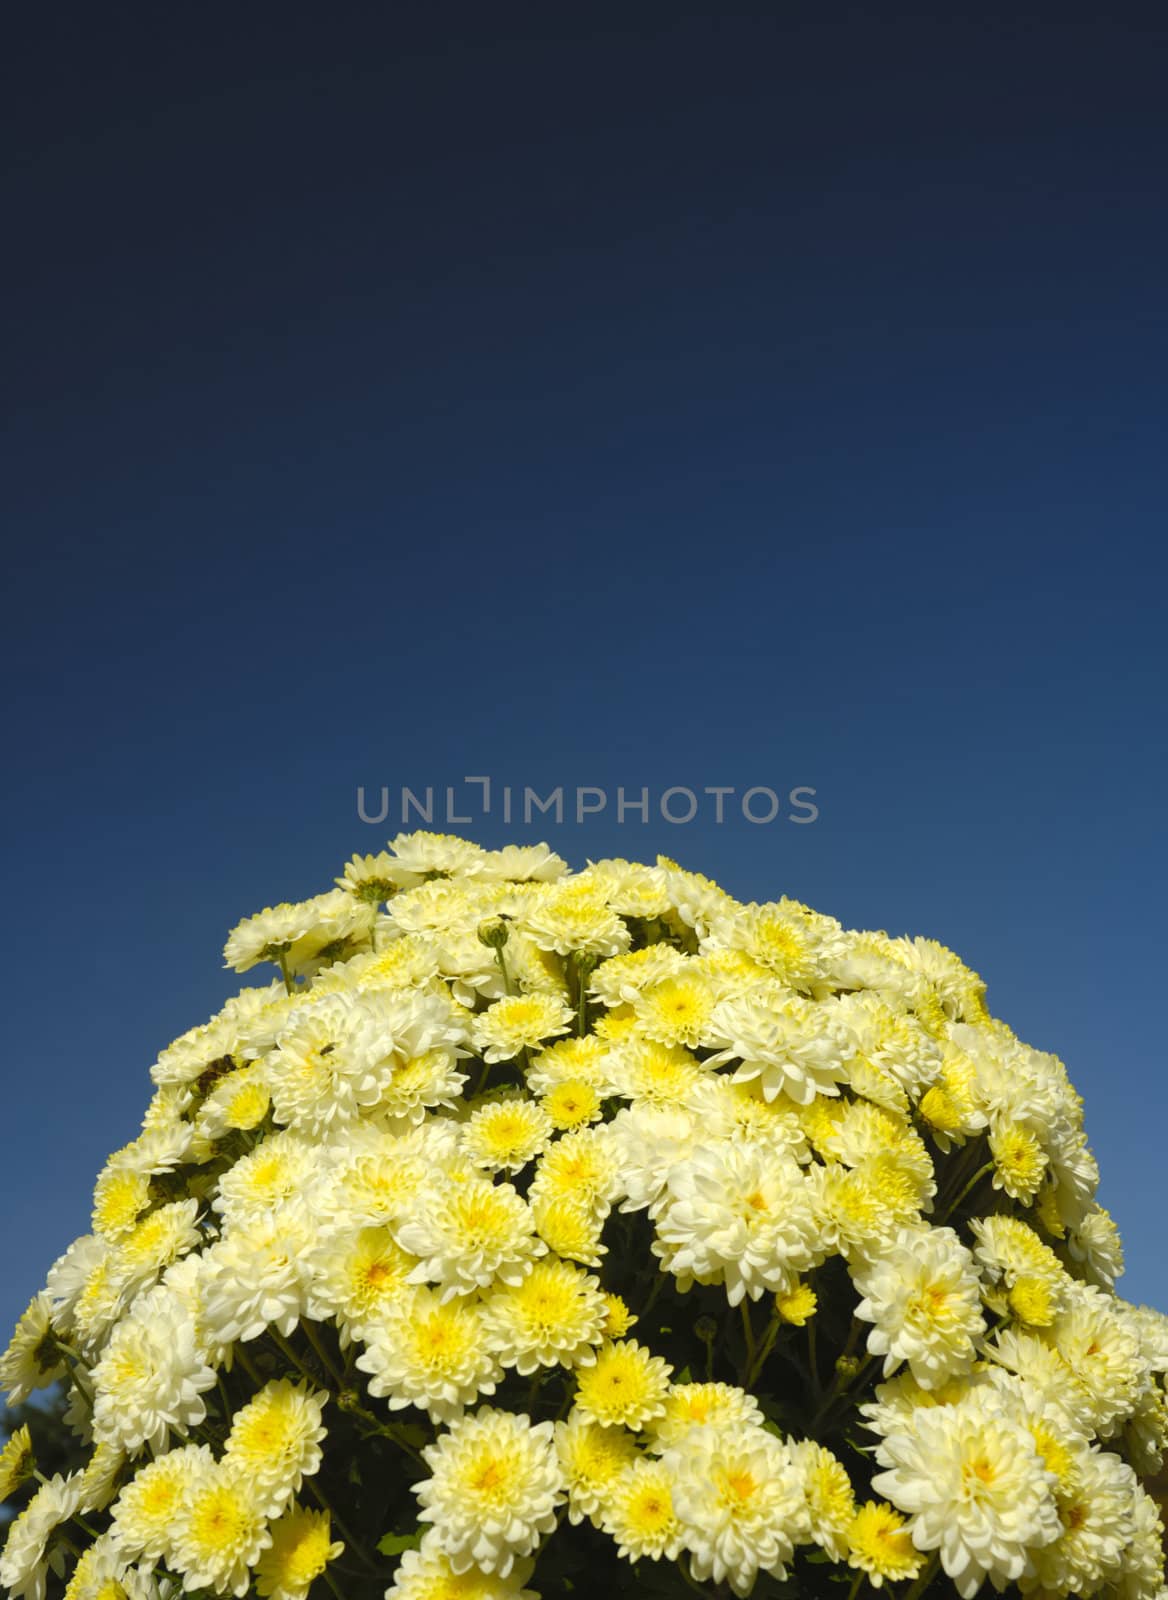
(538, 1233)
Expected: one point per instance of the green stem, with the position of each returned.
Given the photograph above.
(377, 1428)
(314, 1340)
(925, 1578)
(838, 1391)
(248, 1366)
(764, 1350)
(282, 1344)
(856, 1582)
(707, 1339)
(971, 1185)
(811, 1356)
(748, 1336)
(284, 971)
(346, 1534)
(502, 960)
(658, 1285)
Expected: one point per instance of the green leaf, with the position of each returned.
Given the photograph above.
(392, 1544)
(412, 1433)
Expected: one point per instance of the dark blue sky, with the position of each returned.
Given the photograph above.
(641, 395)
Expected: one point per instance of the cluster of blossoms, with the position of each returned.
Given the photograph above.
(536, 1233)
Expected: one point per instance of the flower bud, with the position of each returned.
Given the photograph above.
(493, 933)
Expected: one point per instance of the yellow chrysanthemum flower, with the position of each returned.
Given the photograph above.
(16, 1461)
(798, 1306)
(302, 1547)
(880, 1545)
(624, 1385)
(572, 1104)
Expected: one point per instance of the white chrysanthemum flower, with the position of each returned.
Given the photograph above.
(495, 1482)
(1024, 1354)
(581, 1167)
(575, 918)
(648, 1071)
(275, 1439)
(344, 1055)
(1095, 1510)
(257, 1276)
(417, 856)
(297, 934)
(220, 1531)
(431, 1352)
(629, 887)
(592, 1458)
(99, 1300)
(1095, 1241)
(786, 940)
(442, 908)
(782, 1041)
(519, 1022)
(555, 1317)
(569, 1229)
(922, 1296)
(975, 1487)
(32, 1359)
(466, 1234)
(622, 1385)
(1103, 1352)
(1023, 1275)
(697, 900)
(892, 1041)
(358, 1276)
(702, 1405)
(521, 863)
(426, 1574)
(677, 1009)
(1151, 1328)
(584, 1059)
(645, 1143)
(623, 979)
(280, 1168)
(1141, 1575)
(23, 1562)
(378, 1176)
(637, 1513)
(102, 1573)
(827, 1490)
(862, 1134)
(145, 1511)
(504, 1135)
(162, 1237)
(740, 1501)
(152, 1375)
(99, 1479)
(67, 1281)
(741, 1215)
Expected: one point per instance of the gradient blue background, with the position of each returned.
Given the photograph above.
(736, 395)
